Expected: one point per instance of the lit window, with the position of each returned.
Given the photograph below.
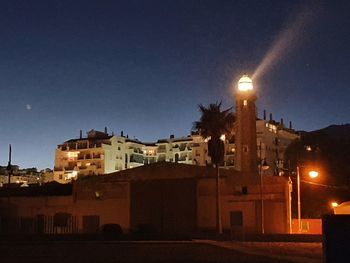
(72, 155)
(72, 175)
(245, 102)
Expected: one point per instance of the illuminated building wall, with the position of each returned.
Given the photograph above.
(100, 153)
(273, 139)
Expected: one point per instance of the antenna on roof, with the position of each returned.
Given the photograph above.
(9, 166)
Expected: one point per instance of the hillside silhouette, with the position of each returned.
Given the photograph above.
(326, 150)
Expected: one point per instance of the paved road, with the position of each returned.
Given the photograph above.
(123, 252)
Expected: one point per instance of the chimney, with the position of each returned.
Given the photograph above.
(282, 121)
(270, 116)
(264, 115)
(81, 134)
(105, 130)
(122, 133)
(127, 136)
(290, 125)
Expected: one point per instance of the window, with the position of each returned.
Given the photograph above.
(245, 102)
(245, 148)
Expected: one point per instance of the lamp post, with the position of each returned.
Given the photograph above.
(312, 174)
(263, 166)
(218, 191)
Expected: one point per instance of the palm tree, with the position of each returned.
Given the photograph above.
(213, 124)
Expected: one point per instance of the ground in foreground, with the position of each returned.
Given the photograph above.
(110, 252)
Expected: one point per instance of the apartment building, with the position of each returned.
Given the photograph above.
(101, 153)
(98, 153)
(273, 139)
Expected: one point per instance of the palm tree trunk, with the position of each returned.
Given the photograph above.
(218, 201)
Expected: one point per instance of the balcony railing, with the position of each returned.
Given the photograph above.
(161, 150)
(136, 158)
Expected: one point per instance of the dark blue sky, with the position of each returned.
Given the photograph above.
(144, 66)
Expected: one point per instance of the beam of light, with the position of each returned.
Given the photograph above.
(288, 39)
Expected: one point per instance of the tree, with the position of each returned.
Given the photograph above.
(213, 124)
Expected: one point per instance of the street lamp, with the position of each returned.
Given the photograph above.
(312, 174)
(218, 193)
(334, 204)
(262, 167)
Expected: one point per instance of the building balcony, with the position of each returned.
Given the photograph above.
(135, 158)
(139, 151)
(82, 146)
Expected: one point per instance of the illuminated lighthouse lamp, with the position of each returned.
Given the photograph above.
(245, 83)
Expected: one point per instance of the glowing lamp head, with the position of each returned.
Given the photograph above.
(245, 83)
(334, 204)
(313, 174)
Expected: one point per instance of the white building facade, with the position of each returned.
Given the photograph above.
(100, 153)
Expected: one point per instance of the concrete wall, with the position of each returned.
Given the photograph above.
(309, 226)
(234, 199)
(172, 198)
(168, 206)
(109, 202)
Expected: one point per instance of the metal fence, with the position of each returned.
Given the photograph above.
(60, 223)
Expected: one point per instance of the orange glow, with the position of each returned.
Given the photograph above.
(334, 204)
(313, 174)
(72, 154)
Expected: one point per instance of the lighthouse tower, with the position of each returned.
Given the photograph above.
(245, 129)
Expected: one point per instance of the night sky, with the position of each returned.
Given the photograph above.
(144, 66)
